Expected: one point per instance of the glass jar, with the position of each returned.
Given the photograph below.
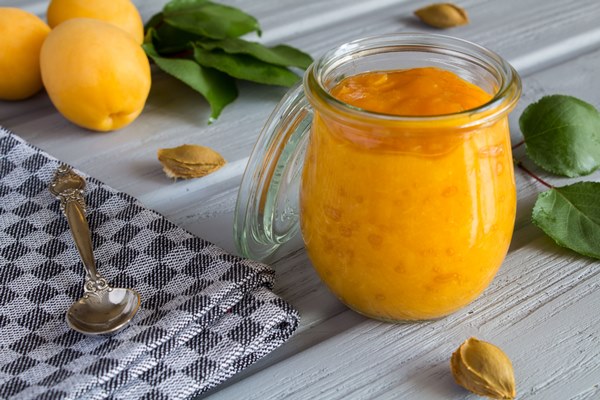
(403, 217)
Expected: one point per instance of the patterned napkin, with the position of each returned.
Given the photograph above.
(205, 314)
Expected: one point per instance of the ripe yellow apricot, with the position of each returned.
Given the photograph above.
(96, 75)
(121, 13)
(21, 37)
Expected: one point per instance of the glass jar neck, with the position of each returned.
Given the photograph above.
(469, 61)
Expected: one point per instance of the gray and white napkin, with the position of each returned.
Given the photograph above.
(205, 314)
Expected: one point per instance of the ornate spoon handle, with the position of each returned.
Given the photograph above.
(68, 187)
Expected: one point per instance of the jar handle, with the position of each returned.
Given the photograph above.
(266, 214)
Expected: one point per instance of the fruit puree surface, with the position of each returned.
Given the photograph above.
(406, 222)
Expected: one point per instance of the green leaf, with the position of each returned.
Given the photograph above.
(279, 55)
(218, 89)
(562, 135)
(245, 67)
(571, 216)
(197, 42)
(203, 17)
(153, 22)
(169, 40)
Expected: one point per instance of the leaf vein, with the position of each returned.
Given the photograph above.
(577, 209)
(538, 134)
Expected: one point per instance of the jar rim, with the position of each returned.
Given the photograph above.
(502, 102)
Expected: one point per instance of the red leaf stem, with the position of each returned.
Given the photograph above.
(534, 176)
(522, 142)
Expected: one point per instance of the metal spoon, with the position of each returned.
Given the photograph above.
(102, 309)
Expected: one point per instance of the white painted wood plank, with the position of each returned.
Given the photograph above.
(540, 309)
(573, 80)
(558, 290)
(175, 114)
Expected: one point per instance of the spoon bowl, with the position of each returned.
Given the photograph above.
(103, 312)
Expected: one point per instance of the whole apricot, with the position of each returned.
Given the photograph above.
(96, 75)
(21, 37)
(121, 13)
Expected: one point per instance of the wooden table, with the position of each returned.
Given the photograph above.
(542, 308)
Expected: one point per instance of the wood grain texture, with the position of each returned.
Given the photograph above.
(541, 308)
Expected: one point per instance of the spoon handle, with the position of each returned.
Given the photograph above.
(68, 188)
(75, 213)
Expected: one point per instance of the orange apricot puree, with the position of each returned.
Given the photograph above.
(405, 222)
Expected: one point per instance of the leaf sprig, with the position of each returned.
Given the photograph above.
(562, 136)
(198, 42)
